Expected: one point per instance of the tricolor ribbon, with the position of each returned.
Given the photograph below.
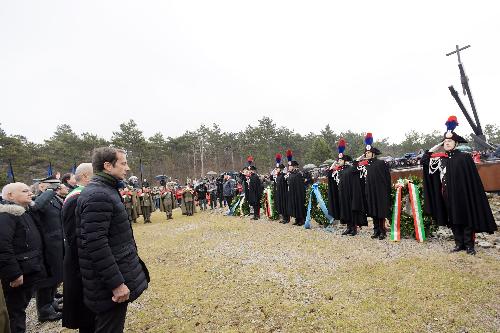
(322, 205)
(268, 202)
(416, 209)
(396, 216)
(241, 205)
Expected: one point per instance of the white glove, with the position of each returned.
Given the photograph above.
(436, 147)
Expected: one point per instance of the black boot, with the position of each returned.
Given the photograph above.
(471, 251)
(347, 231)
(49, 315)
(458, 248)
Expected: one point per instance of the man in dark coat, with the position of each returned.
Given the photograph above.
(254, 191)
(76, 314)
(220, 190)
(48, 206)
(453, 191)
(201, 194)
(281, 186)
(341, 180)
(377, 187)
(296, 194)
(22, 260)
(112, 272)
(228, 190)
(281, 193)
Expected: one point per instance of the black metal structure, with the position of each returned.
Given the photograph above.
(478, 136)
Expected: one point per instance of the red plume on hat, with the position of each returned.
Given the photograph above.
(451, 124)
(289, 156)
(278, 159)
(368, 139)
(341, 147)
(250, 160)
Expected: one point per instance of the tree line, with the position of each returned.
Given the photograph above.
(194, 153)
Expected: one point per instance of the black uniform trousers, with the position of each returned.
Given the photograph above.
(111, 321)
(256, 211)
(17, 300)
(229, 199)
(379, 226)
(45, 300)
(464, 236)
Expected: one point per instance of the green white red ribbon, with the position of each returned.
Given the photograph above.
(268, 203)
(416, 209)
(396, 216)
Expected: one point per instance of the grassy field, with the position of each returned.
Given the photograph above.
(212, 273)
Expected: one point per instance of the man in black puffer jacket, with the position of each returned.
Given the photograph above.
(22, 263)
(112, 272)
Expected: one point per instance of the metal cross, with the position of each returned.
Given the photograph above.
(457, 51)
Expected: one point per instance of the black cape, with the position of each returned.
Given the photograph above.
(281, 194)
(377, 189)
(351, 199)
(466, 203)
(254, 190)
(296, 196)
(333, 194)
(244, 184)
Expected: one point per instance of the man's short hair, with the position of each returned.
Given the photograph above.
(66, 177)
(105, 154)
(82, 169)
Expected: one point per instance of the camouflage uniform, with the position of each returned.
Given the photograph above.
(146, 206)
(167, 203)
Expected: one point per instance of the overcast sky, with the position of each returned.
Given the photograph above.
(374, 66)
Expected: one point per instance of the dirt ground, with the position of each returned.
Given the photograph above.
(213, 273)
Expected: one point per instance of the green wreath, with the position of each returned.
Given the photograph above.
(316, 212)
(274, 211)
(407, 224)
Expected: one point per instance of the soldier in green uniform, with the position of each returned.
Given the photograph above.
(127, 201)
(188, 198)
(136, 204)
(146, 204)
(167, 202)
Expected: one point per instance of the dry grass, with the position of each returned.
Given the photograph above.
(212, 273)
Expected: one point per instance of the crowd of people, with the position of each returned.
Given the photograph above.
(76, 230)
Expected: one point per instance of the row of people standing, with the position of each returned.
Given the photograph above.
(32, 249)
(357, 189)
(360, 189)
(83, 239)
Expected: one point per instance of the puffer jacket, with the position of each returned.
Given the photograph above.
(21, 245)
(106, 246)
